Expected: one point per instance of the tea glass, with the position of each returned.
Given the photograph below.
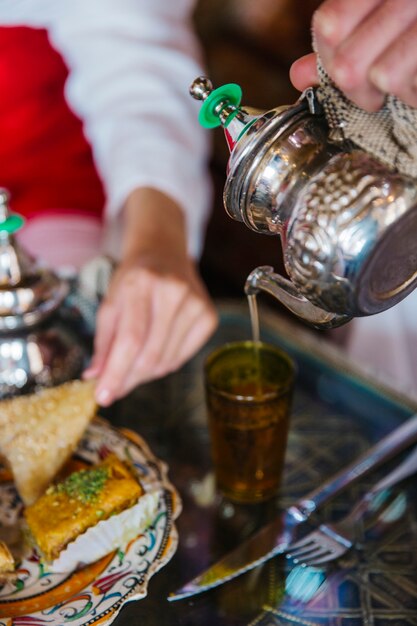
(249, 388)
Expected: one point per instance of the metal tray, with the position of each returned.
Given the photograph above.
(338, 412)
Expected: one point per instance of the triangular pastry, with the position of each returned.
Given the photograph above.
(39, 432)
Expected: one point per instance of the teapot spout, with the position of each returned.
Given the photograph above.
(265, 279)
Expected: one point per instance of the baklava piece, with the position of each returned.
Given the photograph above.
(105, 500)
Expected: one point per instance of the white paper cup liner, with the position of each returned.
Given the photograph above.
(107, 535)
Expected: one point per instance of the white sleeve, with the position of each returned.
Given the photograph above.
(131, 63)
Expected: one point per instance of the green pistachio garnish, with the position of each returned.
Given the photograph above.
(84, 485)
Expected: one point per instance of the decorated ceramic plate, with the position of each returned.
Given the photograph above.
(97, 592)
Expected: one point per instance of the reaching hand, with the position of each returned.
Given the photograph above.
(156, 314)
(368, 48)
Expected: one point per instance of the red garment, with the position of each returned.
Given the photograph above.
(45, 161)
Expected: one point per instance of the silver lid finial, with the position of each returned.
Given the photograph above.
(201, 88)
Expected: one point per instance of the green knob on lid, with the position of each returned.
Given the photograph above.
(12, 223)
(230, 94)
(225, 99)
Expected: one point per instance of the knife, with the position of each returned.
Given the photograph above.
(274, 537)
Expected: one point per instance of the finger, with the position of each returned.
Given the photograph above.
(333, 23)
(356, 54)
(127, 343)
(192, 327)
(183, 342)
(335, 20)
(303, 72)
(350, 67)
(140, 364)
(104, 335)
(196, 335)
(147, 364)
(367, 98)
(168, 303)
(395, 71)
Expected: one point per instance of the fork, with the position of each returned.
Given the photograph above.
(330, 541)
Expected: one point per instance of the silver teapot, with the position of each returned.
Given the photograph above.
(348, 225)
(38, 345)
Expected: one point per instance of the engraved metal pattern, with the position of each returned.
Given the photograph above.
(345, 209)
(277, 155)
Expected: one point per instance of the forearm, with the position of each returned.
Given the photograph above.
(152, 222)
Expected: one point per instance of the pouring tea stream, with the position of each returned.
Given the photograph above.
(347, 223)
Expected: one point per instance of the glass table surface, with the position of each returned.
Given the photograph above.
(338, 412)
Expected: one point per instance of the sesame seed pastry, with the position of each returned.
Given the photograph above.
(39, 433)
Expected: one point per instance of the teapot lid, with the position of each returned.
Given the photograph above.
(252, 137)
(28, 292)
(221, 107)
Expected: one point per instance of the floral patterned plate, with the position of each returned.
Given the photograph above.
(96, 593)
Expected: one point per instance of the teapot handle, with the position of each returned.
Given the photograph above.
(265, 279)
